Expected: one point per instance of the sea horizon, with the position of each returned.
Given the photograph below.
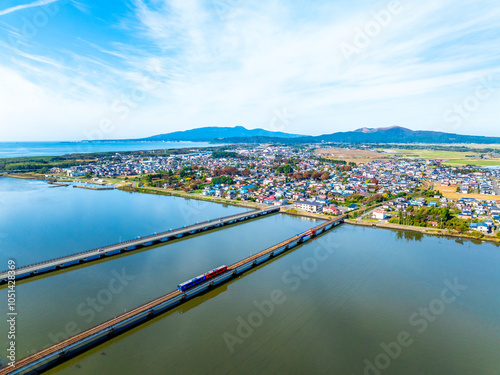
(57, 148)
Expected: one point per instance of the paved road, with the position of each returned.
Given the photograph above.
(367, 213)
(496, 189)
(139, 241)
(94, 334)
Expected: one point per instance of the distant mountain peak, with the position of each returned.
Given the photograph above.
(383, 129)
(209, 133)
(399, 134)
(364, 130)
(390, 134)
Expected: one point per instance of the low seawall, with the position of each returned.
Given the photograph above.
(72, 346)
(429, 231)
(93, 188)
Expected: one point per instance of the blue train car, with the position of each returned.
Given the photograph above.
(307, 234)
(190, 283)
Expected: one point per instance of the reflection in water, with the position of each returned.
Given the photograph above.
(66, 220)
(341, 305)
(335, 317)
(184, 308)
(409, 236)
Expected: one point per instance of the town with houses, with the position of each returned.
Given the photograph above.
(301, 179)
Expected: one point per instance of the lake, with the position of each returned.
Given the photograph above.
(353, 301)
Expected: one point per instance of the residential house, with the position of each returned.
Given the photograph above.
(310, 206)
(380, 214)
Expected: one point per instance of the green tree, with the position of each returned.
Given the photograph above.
(221, 180)
(286, 168)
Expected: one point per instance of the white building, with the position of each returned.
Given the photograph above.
(308, 206)
(379, 214)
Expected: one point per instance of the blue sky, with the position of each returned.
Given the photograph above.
(72, 70)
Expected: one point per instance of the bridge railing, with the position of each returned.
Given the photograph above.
(137, 312)
(140, 240)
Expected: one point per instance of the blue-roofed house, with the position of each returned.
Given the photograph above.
(482, 227)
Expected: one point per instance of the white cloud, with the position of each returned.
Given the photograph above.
(26, 6)
(240, 66)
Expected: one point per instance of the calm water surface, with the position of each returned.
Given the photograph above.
(39, 221)
(341, 298)
(18, 149)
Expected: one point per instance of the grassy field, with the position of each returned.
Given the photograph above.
(433, 154)
(480, 162)
(352, 155)
(453, 158)
(473, 145)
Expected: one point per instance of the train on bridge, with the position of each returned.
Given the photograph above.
(82, 341)
(220, 270)
(139, 242)
(199, 279)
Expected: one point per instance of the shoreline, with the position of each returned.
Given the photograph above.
(423, 230)
(24, 176)
(253, 205)
(176, 193)
(283, 210)
(429, 231)
(92, 187)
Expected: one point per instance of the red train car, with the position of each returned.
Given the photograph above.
(215, 272)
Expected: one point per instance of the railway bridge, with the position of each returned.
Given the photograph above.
(128, 246)
(72, 346)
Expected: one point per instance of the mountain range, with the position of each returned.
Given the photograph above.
(393, 134)
(209, 133)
